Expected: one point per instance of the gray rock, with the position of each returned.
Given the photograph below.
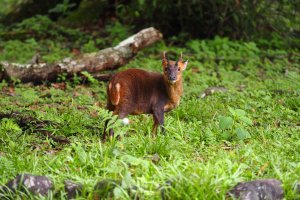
(155, 158)
(72, 189)
(266, 189)
(38, 185)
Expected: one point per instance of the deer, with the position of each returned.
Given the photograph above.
(136, 91)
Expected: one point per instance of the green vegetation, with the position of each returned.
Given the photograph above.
(40, 35)
(249, 132)
(234, 19)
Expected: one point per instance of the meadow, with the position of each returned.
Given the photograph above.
(248, 131)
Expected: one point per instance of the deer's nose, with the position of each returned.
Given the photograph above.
(172, 77)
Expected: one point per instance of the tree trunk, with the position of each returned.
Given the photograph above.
(106, 59)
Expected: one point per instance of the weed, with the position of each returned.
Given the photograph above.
(251, 131)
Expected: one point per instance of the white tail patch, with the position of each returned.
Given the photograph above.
(125, 121)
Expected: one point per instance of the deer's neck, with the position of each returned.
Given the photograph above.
(174, 91)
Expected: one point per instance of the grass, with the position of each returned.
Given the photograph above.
(249, 132)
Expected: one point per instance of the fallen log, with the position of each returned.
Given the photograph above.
(106, 59)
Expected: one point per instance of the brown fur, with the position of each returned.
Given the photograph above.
(139, 91)
(114, 93)
(136, 91)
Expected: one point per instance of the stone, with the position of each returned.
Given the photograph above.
(155, 158)
(265, 189)
(37, 185)
(73, 189)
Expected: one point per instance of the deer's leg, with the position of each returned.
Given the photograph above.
(121, 114)
(158, 116)
(117, 110)
(110, 107)
(110, 131)
(155, 125)
(104, 131)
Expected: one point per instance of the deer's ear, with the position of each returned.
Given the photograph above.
(180, 58)
(164, 62)
(183, 65)
(164, 59)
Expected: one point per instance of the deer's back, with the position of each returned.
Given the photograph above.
(139, 91)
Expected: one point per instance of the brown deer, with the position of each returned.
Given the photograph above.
(136, 91)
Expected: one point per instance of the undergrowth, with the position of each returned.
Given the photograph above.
(249, 132)
(53, 41)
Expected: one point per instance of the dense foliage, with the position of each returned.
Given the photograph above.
(249, 130)
(237, 19)
(52, 41)
(182, 19)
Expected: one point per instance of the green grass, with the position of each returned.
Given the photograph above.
(250, 132)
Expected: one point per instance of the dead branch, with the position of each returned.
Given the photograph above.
(106, 59)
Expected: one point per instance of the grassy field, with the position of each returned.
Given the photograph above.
(252, 131)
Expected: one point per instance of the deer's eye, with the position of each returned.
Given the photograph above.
(166, 69)
(178, 69)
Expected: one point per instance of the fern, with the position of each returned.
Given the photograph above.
(7, 164)
(107, 116)
(8, 132)
(210, 137)
(8, 125)
(81, 153)
(89, 77)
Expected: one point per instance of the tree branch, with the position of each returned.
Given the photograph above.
(106, 59)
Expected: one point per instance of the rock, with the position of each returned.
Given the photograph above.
(211, 90)
(155, 158)
(72, 189)
(105, 188)
(266, 189)
(38, 185)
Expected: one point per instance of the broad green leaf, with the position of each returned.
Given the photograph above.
(231, 110)
(225, 135)
(118, 193)
(240, 112)
(135, 161)
(242, 134)
(225, 122)
(130, 159)
(113, 167)
(246, 120)
(127, 180)
(116, 152)
(82, 155)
